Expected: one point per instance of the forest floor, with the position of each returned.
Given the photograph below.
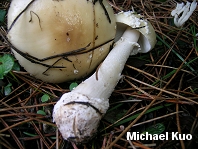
(158, 93)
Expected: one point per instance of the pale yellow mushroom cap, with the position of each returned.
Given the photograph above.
(47, 28)
(147, 39)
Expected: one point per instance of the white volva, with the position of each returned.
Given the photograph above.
(78, 113)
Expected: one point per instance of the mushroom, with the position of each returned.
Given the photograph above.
(186, 11)
(147, 37)
(57, 41)
(77, 114)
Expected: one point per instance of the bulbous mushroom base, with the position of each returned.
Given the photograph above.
(77, 116)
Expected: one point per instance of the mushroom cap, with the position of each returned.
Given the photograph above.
(147, 39)
(48, 28)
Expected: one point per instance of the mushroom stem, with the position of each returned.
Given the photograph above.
(78, 113)
(102, 83)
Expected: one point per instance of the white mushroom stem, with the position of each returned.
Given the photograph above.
(78, 113)
(103, 81)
